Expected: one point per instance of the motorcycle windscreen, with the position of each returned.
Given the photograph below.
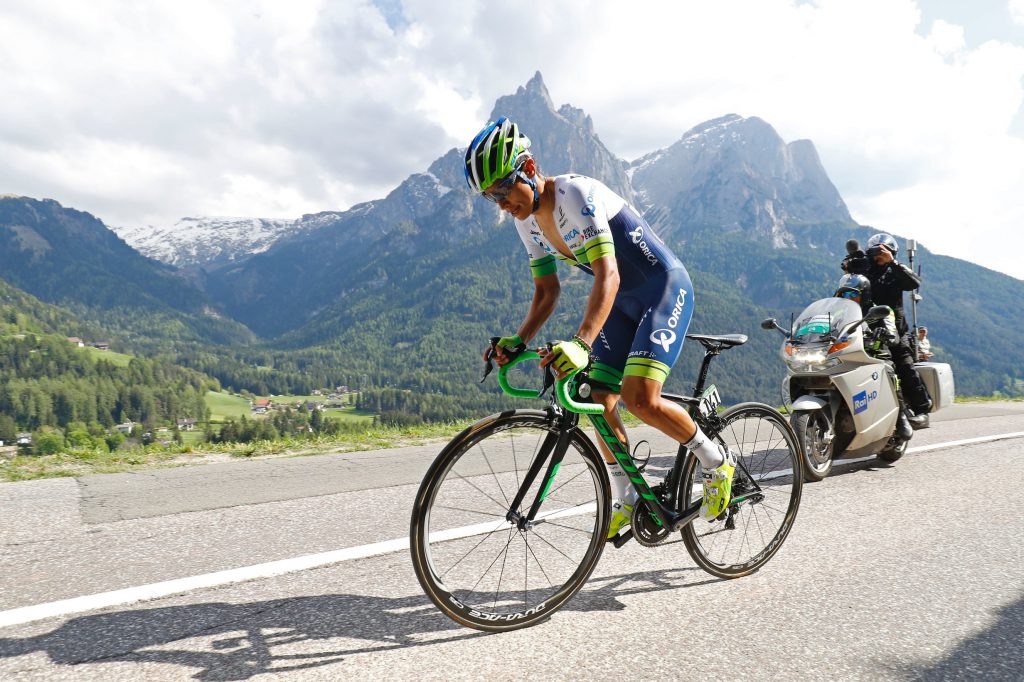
(823, 319)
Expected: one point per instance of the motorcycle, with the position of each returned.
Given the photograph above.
(844, 401)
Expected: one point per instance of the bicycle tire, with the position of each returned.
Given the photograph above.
(752, 530)
(465, 551)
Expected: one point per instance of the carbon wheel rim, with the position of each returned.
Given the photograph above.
(487, 567)
(753, 529)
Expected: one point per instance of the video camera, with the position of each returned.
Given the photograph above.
(856, 261)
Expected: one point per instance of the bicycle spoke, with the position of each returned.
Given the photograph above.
(500, 489)
(552, 492)
(515, 460)
(545, 541)
(562, 511)
(501, 552)
(462, 509)
(501, 573)
(471, 550)
(578, 530)
(463, 478)
(526, 572)
(537, 561)
(492, 581)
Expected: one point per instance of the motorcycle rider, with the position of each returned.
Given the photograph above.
(889, 279)
(879, 337)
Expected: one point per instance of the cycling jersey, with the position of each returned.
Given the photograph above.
(644, 332)
(595, 221)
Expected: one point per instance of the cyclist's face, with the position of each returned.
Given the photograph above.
(519, 202)
(513, 195)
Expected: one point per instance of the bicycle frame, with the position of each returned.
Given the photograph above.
(555, 444)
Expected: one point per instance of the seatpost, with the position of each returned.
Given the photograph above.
(709, 353)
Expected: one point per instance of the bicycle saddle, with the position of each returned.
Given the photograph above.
(726, 340)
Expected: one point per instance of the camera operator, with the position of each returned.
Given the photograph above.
(889, 279)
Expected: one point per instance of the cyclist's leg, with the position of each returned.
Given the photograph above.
(610, 402)
(609, 357)
(656, 347)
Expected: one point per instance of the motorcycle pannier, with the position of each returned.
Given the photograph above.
(938, 378)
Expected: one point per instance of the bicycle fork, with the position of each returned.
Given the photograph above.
(552, 451)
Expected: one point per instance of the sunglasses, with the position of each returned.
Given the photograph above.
(850, 294)
(500, 191)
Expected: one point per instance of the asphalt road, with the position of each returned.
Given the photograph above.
(907, 572)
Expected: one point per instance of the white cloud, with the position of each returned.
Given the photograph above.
(1017, 11)
(946, 38)
(257, 109)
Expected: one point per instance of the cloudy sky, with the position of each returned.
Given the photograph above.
(143, 113)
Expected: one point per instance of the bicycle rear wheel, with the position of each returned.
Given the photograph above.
(766, 493)
(477, 566)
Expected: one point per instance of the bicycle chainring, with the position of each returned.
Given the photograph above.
(646, 528)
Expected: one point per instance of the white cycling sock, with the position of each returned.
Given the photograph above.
(706, 450)
(621, 487)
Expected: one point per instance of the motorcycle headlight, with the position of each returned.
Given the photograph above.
(809, 358)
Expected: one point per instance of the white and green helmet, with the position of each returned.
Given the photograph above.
(495, 153)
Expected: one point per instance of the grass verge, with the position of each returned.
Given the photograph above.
(82, 462)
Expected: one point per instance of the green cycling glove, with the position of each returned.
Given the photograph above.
(512, 343)
(570, 356)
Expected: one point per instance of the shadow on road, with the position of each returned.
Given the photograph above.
(994, 654)
(845, 467)
(238, 641)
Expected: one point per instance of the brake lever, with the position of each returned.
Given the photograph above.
(549, 376)
(488, 361)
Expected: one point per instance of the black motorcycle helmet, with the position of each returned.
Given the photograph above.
(856, 288)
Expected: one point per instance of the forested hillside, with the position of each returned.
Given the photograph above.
(70, 258)
(46, 381)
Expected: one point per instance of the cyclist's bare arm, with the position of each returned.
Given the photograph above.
(599, 304)
(602, 296)
(546, 290)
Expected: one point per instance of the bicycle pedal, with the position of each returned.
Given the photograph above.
(622, 538)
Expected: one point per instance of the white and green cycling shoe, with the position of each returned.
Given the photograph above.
(717, 487)
(622, 516)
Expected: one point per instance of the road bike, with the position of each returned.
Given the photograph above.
(513, 514)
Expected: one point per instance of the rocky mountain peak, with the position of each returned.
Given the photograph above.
(563, 140)
(735, 173)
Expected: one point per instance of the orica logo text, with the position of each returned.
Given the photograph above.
(664, 337)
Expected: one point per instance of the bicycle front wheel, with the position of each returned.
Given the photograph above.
(765, 493)
(474, 562)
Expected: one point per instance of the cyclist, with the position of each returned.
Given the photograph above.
(637, 313)
(881, 340)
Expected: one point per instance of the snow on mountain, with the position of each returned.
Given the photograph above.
(210, 241)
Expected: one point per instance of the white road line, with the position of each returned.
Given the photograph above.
(947, 444)
(66, 607)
